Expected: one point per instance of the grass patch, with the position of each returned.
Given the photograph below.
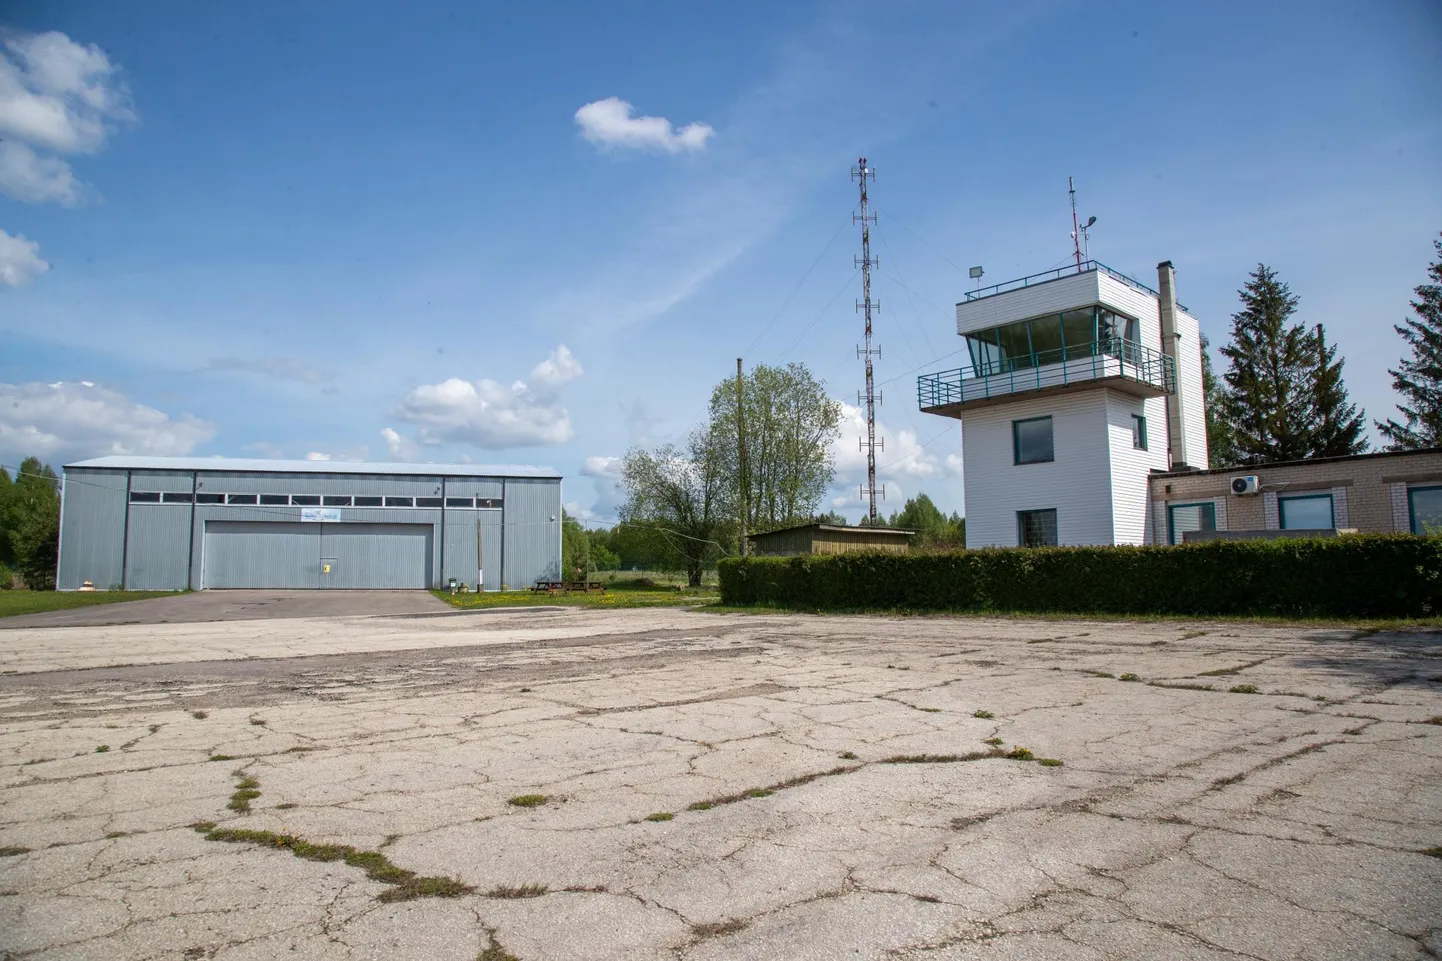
(1129, 676)
(494, 951)
(716, 929)
(1049, 762)
(527, 800)
(615, 597)
(984, 715)
(405, 885)
(939, 758)
(1244, 689)
(14, 603)
(245, 792)
(700, 806)
(13, 850)
(1181, 686)
(102, 749)
(517, 891)
(1019, 753)
(660, 816)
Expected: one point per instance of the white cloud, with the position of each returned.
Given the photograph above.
(20, 260)
(953, 464)
(487, 414)
(281, 368)
(610, 123)
(600, 466)
(317, 455)
(904, 455)
(32, 179)
(558, 369)
(400, 447)
(59, 96)
(79, 420)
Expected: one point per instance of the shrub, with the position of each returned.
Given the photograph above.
(1373, 575)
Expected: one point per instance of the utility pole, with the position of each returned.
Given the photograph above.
(863, 173)
(480, 568)
(743, 475)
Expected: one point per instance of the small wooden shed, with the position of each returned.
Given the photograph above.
(828, 539)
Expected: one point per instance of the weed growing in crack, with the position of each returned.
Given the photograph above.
(102, 749)
(1354, 730)
(1101, 673)
(517, 891)
(1433, 720)
(286, 806)
(221, 757)
(984, 715)
(299, 750)
(525, 690)
(494, 951)
(847, 756)
(716, 929)
(1182, 686)
(700, 806)
(585, 889)
(258, 721)
(1244, 689)
(758, 792)
(199, 715)
(930, 710)
(993, 741)
(939, 758)
(13, 850)
(1129, 676)
(1019, 753)
(1191, 634)
(1430, 852)
(1049, 762)
(245, 792)
(112, 835)
(660, 816)
(405, 885)
(527, 800)
(154, 728)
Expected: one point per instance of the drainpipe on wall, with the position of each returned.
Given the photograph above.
(1171, 346)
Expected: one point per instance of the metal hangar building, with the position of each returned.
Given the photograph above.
(168, 523)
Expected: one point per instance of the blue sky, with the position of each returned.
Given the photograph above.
(278, 229)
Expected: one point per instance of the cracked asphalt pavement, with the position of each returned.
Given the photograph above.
(838, 787)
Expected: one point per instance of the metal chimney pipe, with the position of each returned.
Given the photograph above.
(1176, 421)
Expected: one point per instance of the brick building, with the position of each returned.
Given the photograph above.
(1384, 492)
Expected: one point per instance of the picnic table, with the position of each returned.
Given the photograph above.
(567, 587)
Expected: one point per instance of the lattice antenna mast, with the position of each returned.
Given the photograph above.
(862, 174)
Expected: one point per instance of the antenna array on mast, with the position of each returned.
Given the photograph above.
(862, 174)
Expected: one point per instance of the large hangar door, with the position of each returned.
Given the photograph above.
(278, 554)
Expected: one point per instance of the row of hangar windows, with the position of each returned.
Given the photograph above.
(312, 500)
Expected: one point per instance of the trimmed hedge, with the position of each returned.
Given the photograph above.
(1382, 575)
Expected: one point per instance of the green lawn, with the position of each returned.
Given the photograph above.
(619, 596)
(35, 602)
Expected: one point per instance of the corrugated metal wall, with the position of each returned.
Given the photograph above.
(164, 546)
(92, 529)
(532, 546)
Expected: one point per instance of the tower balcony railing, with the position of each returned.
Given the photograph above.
(1046, 276)
(1128, 366)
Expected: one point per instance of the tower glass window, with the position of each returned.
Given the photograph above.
(1036, 528)
(1032, 441)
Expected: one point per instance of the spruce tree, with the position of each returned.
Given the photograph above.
(1268, 393)
(1419, 378)
(1335, 426)
(1221, 444)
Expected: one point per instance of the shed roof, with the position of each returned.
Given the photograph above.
(896, 531)
(259, 465)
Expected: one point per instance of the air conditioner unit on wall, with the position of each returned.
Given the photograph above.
(1248, 484)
